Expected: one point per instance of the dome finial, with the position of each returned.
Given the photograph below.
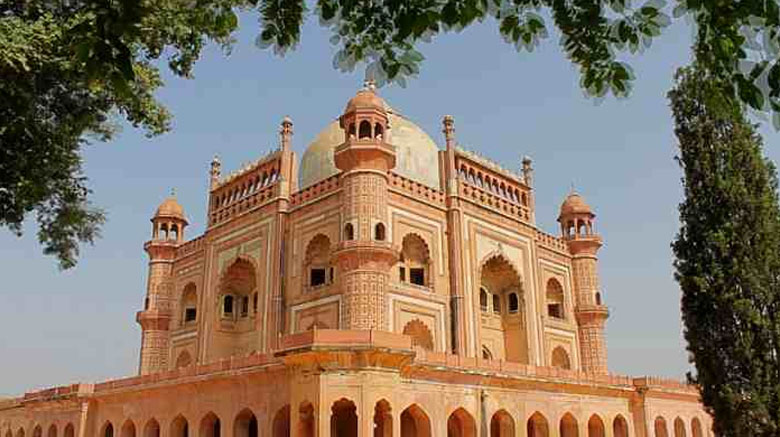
(173, 191)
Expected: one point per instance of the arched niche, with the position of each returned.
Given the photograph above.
(568, 426)
(461, 424)
(501, 301)
(502, 424)
(343, 418)
(421, 335)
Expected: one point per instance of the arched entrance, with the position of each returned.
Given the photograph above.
(596, 426)
(679, 428)
(502, 424)
(128, 429)
(537, 426)
(461, 424)
(415, 423)
(619, 427)
(306, 420)
(70, 431)
(660, 427)
(245, 424)
(343, 419)
(282, 422)
(151, 429)
(503, 321)
(383, 419)
(696, 428)
(568, 426)
(210, 426)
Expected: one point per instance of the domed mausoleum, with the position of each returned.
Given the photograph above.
(390, 288)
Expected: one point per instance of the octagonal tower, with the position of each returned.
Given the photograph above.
(365, 255)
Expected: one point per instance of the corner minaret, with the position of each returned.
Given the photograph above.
(168, 226)
(364, 255)
(576, 219)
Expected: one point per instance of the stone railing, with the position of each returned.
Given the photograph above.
(417, 190)
(557, 244)
(192, 246)
(495, 201)
(315, 191)
(236, 207)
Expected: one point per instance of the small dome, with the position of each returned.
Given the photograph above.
(170, 208)
(417, 156)
(365, 99)
(575, 204)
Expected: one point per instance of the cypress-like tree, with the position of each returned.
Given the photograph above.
(728, 258)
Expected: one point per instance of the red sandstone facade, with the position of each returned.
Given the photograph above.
(399, 291)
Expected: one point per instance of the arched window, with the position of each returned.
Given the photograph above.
(317, 260)
(349, 232)
(189, 304)
(237, 285)
(598, 298)
(227, 306)
(343, 419)
(483, 299)
(108, 430)
(620, 427)
(364, 130)
(379, 232)
(568, 426)
(554, 299)
(414, 262)
(514, 304)
(352, 130)
(378, 131)
(486, 354)
(497, 304)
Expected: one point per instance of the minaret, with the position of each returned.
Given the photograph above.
(365, 255)
(168, 226)
(576, 219)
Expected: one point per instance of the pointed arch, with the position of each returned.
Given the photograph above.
(619, 426)
(37, 431)
(596, 426)
(69, 430)
(179, 427)
(696, 430)
(306, 423)
(152, 428)
(461, 424)
(183, 360)
(659, 427)
(210, 425)
(568, 426)
(537, 426)
(679, 427)
(555, 299)
(188, 304)
(415, 422)
(281, 425)
(421, 335)
(499, 281)
(107, 430)
(502, 424)
(383, 419)
(317, 261)
(52, 432)
(364, 129)
(415, 260)
(343, 418)
(128, 429)
(245, 424)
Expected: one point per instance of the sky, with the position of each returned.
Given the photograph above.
(79, 325)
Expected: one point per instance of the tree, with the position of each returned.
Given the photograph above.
(77, 62)
(727, 259)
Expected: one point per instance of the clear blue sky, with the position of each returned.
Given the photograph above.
(79, 325)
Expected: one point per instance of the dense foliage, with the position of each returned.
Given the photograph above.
(69, 67)
(727, 258)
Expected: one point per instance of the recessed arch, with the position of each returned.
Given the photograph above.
(415, 422)
(500, 282)
(107, 430)
(210, 425)
(128, 429)
(183, 360)
(659, 427)
(383, 419)
(20, 432)
(69, 430)
(560, 358)
(421, 335)
(461, 424)
(568, 426)
(364, 129)
(596, 426)
(245, 424)
(696, 429)
(188, 304)
(52, 432)
(37, 431)
(306, 420)
(380, 232)
(152, 428)
(281, 425)
(414, 265)
(317, 261)
(378, 130)
(555, 300)
(343, 418)
(9, 433)
(679, 427)
(619, 426)
(349, 232)
(537, 426)
(502, 424)
(179, 427)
